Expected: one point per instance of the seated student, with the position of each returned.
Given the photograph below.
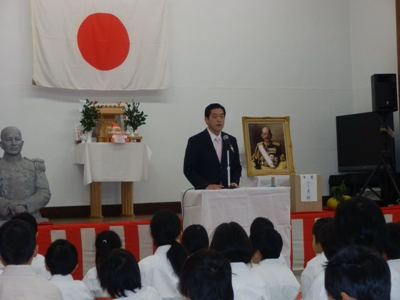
(231, 241)
(119, 275)
(38, 261)
(62, 260)
(315, 265)
(357, 273)
(280, 280)
(392, 246)
(194, 238)
(357, 222)
(162, 269)
(106, 241)
(19, 280)
(206, 275)
(257, 223)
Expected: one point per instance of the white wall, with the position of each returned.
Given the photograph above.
(257, 58)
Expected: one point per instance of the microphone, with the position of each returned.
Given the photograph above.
(226, 140)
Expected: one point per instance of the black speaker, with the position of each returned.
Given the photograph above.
(384, 93)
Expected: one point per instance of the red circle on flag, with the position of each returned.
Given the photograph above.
(103, 41)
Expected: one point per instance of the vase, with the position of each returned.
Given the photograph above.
(136, 133)
(89, 136)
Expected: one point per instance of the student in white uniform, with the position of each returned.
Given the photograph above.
(206, 274)
(258, 223)
(280, 280)
(19, 280)
(38, 261)
(317, 264)
(106, 241)
(162, 269)
(358, 222)
(231, 240)
(62, 261)
(357, 273)
(119, 275)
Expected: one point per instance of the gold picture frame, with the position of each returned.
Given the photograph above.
(268, 147)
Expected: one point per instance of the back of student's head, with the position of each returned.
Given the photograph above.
(231, 241)
(194, 238)
(360, 221)
(317, 226)
(328, 240)
(268, 241)
(392, 240)
(119, 272)
(61, 257)
(27, 217)
(206, 275)
(359, 272)
(17, 242)
(165, 228)
(260, 222)
(106, 241)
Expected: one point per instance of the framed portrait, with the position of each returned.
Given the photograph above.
(267, 144)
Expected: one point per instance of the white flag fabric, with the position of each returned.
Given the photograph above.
(100, 44)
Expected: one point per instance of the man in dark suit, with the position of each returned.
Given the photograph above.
(206, 161)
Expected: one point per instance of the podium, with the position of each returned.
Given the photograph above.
(213, 207)
(113, 162)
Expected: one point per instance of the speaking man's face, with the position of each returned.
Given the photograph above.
(216, 120)
(11, 141)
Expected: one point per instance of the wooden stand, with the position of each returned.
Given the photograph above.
(295, 195)
(126, 200)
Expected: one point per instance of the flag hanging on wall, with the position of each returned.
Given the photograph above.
(100, 44)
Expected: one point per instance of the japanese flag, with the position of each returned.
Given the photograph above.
(100, 44)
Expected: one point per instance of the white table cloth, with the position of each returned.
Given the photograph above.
(113, 162)
(213, 207)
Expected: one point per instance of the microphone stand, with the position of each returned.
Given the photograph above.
(228, 169)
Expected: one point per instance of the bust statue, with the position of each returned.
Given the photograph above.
(23, 182)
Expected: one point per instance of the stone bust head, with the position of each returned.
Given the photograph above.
(11, 142)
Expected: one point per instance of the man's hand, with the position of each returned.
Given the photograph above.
(234, 185)
(214, 187)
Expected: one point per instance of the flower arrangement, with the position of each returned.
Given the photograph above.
(133, 116)
(90, 115)
(338, 195)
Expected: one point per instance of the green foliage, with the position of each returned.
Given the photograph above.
(133, 117)
(90, 115)
(339, 191)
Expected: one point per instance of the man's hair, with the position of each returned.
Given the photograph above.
(119, 272)
(317, 226)
(359, 272)
(207, 111)
(61, 257)
(27, 217)
(268, 241)
(360, 221)
(17, 242)
(392, 240)
(206, 275)
(328, 240)
(260, 222)
(232, 241)
(194, 238)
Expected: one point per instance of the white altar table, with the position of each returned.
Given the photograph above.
(113, 162)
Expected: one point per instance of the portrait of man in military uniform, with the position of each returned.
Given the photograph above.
(267, 146)
(268, 154)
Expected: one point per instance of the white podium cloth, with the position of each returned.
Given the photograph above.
(213, 207)
(109, 162)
